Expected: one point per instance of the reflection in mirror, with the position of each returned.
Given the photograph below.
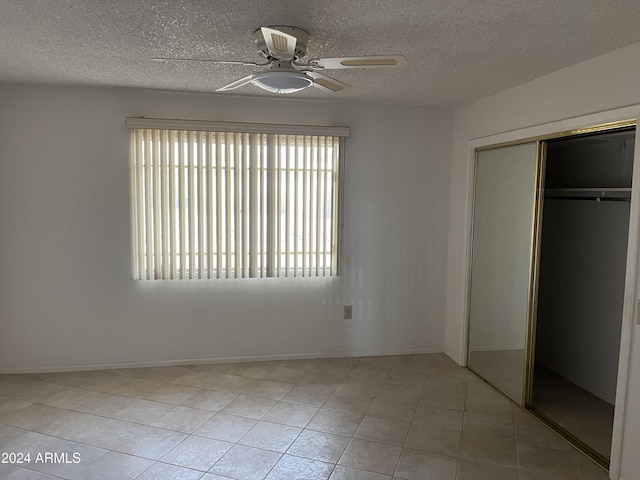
(502, 249)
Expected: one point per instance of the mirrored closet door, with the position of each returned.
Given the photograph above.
(501, 262)
(547, 277)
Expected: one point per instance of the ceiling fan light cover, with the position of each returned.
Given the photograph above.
(282, 81)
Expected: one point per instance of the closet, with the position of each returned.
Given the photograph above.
(547, 277)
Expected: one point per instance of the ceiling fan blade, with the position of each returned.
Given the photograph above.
(281, 46)
(205, 60)
(325, 83)
(372, 61)
(237, 83)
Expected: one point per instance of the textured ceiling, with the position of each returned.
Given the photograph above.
(458, 50)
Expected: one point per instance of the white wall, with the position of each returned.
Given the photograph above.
(597, 85)
(66, 294)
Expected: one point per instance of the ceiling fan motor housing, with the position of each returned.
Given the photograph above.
(302, 36)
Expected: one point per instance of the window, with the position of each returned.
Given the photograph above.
(213, 201)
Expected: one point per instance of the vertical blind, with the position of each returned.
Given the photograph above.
(211, 204)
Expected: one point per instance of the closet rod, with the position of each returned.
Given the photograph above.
(598, 199)
(602, 193)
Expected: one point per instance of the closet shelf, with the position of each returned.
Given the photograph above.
(604, 192)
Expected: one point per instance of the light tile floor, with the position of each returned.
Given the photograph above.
(414, 417)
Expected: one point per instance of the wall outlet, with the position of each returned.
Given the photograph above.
(348, 312)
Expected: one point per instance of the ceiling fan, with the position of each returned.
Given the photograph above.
(283, 49)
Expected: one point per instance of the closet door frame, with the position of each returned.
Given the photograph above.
(597, 122)
(580, 444)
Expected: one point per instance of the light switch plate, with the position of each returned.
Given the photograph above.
(348, 312)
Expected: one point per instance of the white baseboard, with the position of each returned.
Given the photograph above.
(454, 356)
(213, 360)
(497, 348)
